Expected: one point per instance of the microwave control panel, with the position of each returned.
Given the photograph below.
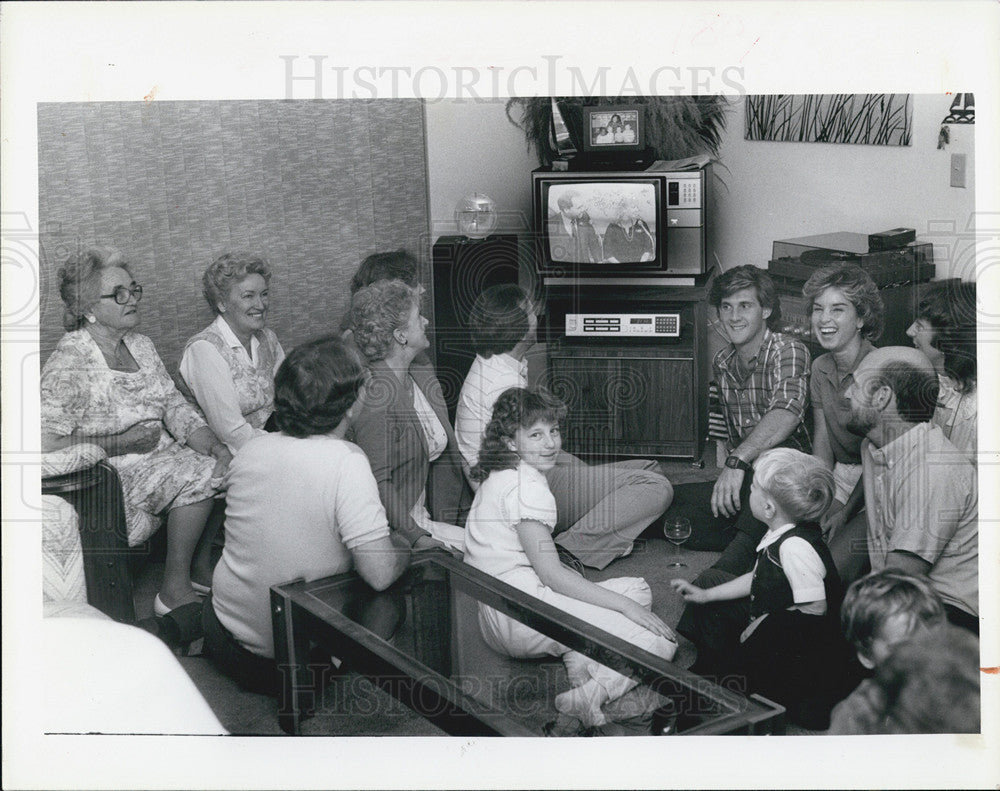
(646, 325)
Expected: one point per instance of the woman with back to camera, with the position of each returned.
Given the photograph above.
(105, 384)
(945, 331)
(228, 368)
(846, 314)
(301, 502)
(403, 425)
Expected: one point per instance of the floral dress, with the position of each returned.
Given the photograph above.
(80, 391)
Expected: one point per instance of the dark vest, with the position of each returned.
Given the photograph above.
(770, 590)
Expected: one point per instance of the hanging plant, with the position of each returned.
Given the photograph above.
(676, 126)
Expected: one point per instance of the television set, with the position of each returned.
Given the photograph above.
(620, 225)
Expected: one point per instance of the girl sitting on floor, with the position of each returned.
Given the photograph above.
(791, 650)
(509, 535)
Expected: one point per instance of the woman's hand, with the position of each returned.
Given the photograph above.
(638, 614)
(140, 438)
(689, 592)
(222, 458)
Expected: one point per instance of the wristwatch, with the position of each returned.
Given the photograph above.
(734, 462)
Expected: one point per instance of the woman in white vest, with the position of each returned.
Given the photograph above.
(228, 368)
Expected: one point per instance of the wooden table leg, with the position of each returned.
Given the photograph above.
(291, 654)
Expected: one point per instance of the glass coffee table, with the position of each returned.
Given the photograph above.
(419, 640)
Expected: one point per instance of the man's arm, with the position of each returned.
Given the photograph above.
(789, 389)
(773, 429)
(908, 562)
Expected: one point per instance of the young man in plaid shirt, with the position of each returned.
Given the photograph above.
(763, 379)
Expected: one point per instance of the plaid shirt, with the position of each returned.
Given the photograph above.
(778, 378)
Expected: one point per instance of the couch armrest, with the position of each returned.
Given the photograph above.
(96, 494)
(70, 468)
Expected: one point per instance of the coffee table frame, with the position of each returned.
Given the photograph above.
(300, 618)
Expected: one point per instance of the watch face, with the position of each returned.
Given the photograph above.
(733, 462)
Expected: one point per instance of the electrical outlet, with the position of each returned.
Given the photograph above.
(958, 170)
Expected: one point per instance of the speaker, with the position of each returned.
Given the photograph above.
(462, 269)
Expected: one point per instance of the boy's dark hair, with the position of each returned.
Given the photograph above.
(397, 265)
(873, 600)
(930, 684)
(517, 407)
(315, 386)
(748, 276)
(498, 319)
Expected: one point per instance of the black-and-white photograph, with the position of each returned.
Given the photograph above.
(685, 446)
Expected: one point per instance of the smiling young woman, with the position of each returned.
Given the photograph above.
(847, 314)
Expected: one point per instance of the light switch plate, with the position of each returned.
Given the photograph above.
(958, 170)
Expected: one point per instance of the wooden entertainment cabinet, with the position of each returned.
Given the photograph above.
(631, 396)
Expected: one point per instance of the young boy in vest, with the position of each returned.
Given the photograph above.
(791, 650)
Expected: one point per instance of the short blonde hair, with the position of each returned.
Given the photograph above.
(377, 310)
(801, 484)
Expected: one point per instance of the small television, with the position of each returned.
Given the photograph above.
(620, 225)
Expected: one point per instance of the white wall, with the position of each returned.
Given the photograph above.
(472, 147)
(772, 190)
(785, 190)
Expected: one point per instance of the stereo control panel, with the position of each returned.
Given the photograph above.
(663, 325)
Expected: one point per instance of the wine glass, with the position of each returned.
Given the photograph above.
(677, 530)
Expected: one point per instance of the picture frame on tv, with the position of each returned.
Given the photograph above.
(614, 127)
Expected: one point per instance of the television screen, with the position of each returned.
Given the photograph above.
(602, 222)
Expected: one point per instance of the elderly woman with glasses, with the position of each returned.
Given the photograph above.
(105, 385)
(228, 368)
(403, 426)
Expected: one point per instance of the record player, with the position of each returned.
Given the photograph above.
(794, 260)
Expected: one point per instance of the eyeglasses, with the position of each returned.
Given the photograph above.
(121, 294)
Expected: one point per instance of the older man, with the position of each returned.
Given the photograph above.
(920, 490)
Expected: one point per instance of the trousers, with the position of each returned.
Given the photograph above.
(603, 508)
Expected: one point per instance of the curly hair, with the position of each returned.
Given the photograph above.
(226, 271)
(377, 310)
(801, 484)
(748, 276)
(315, 386)
(498, 319)
(517, 407)
(950, 309)
(80, 281)
(397, 265)
(872, 601)
(858, 287)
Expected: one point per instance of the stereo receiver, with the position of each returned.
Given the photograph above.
(663, 325)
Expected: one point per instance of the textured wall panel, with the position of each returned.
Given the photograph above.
(313, 185)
